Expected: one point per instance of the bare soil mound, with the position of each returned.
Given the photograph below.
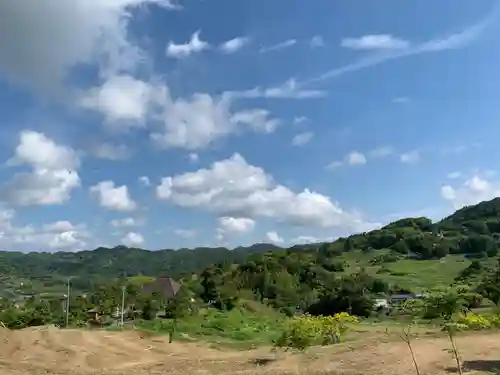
(52, 351)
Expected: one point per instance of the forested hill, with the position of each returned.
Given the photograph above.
(472, 230)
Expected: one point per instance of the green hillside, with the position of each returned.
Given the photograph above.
(409, 253)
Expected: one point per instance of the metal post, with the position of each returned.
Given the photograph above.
(67, 302)
(123, 303)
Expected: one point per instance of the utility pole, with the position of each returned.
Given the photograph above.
(123, 302)
(67, 302)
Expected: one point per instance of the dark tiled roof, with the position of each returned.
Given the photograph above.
(166, 286)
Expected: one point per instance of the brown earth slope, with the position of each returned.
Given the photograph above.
(52, 351)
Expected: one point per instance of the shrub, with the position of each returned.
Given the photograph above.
(474, 321)
(304, 331)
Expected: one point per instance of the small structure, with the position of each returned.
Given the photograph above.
(402, 297)
(166, 287)
(93, 314)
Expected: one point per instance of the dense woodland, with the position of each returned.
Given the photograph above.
(301, 279)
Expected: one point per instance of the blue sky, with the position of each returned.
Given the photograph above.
(163, 124)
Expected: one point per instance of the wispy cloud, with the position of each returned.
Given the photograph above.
(234, 45)
(317, 41)
(352, 158)
(276, 47)
(302, 138)
(194, 45)
(375, 42)
(411, 157)
(288, 90)
(448, 42)
(381, 152)
(401, 100)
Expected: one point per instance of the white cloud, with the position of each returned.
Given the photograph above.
(381, 152)
(317, 41)
(112, 151)
(279, 46)
(60, 235)
(236, 224)
(59, 227)
(335, 164)
(123, 100)
(410, 157)
(302, 138)
(355, 158)
(234, 45)
(234, 188)
(374, 42)
(113, 198)
(439, 44)
(288, 90)
(274, 237)
(193, 157)
(454, 175)
(133, 239)
(43, 41)
(197, 122)
(257, 119)
(125, 222)
(300, 120)
(472, 191)
(53, 176)
(308, 240)
(195, 45)
(144, 181)
(37, 150)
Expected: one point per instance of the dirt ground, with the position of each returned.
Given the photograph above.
(52, 351)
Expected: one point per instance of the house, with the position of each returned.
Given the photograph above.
(93, 314)
(166, 287)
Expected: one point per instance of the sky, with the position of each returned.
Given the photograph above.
(184, 123)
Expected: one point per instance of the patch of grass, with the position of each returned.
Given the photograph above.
(239, 327)
(409, 273)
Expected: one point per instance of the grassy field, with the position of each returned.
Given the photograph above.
(416, 275)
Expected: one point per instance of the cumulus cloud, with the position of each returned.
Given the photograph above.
(53, 174)
(113, 198)
(183, 50)
(234, 45)
(43, 41)
(133, 239)
(197, 122)
(472, 191)
(235, 224)
(234, 188)
(123, 100)
(274, 237)
(355, 158)
(59, 235)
